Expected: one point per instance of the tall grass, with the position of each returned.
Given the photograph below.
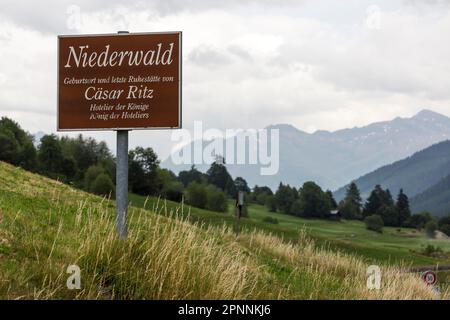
(162, 258)
(347, 271)
(46, 226)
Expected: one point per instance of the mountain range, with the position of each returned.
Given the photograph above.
(333, 159)
(424, 177)
(436, 199)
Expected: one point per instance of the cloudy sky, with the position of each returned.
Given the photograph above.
(318, 64)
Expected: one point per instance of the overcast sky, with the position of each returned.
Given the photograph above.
(247, 64)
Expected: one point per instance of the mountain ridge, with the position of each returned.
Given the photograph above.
(435, 199)
(333, 158)
(423, 176)
(424, 113)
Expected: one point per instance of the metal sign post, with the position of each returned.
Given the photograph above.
(122, 184)
(119, 82)
(122, 180)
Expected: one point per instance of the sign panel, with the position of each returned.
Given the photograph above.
(119, 81)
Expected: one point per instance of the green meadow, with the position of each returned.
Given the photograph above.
(174, 251)
(394, 245)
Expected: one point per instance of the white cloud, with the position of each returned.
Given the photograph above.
(205, 56)
(248, 64)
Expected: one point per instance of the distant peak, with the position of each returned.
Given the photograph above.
(285, 127)
(426, 113)
(322, 132)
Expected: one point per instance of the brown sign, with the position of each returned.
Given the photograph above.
(119, 81)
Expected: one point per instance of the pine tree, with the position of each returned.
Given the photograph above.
(192, 175)
(285, 197)
(353, 195)
(402, 206)
(375, 201)
(50, 156)
(380, 202)
(389, 214)
(218, 176)
(350, 206)
(387, 198)
(313, 202)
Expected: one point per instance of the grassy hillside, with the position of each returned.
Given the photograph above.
(435, 199)
(414, 174)
(396, 245)
(46, 226)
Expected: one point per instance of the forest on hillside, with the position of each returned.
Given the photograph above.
(89, 165)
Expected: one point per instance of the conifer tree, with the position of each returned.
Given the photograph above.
(402, 206)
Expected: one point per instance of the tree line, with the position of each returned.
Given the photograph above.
(379, 210)
(308, 201)
(89, 165)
